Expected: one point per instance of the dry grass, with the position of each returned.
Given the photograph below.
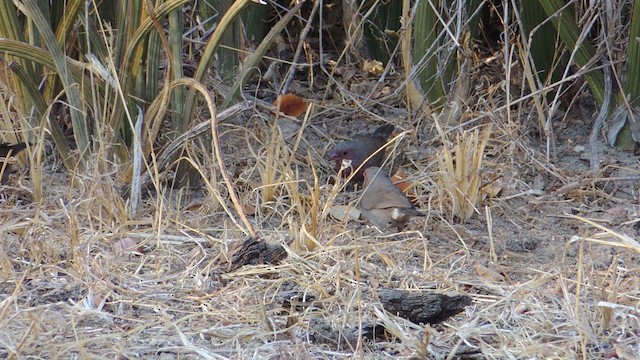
(68, 292)
(460, 174)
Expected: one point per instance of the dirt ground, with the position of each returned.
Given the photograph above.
(550, 261)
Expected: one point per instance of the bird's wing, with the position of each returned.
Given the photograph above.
(394, 199)
(387, 198)
(368, 200)
(379, 218)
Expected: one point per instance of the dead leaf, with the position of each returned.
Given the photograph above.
(344, 212)
(488, 274)
(333, 67)
(384, 91)
(248, 209)
(493, 186)
(291, 105)
(521, 309)
(373, 67)
(404, 185)
(193, 206)
(127, 245)
(617, 211)
(622, 352)
(625, 300)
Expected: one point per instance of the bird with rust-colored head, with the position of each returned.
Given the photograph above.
(359, 149)
(382, 203)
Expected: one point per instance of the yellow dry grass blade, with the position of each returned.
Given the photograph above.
(460, 176)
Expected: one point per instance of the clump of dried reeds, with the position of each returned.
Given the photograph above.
(460, 172)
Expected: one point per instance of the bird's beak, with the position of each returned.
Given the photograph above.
(334, 157)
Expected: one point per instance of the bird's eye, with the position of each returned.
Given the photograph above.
(344, 153)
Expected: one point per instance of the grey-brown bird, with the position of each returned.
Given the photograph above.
(6, 151)
(360, 148)
(382, 203)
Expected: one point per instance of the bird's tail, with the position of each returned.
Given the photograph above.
(384, 131)
(416, 212)
(5, 148)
